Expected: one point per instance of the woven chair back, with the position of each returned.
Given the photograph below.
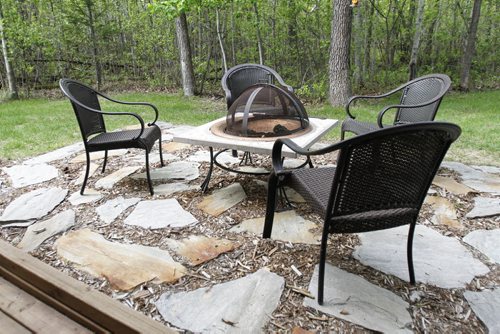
(82, 98)
(419, 92)
(384, 176)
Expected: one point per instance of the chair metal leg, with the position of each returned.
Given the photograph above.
(322, 262)
(409, 253)
(105, 161)
(86, 173)
(148, 174)
(271, 205)
(342, 134)
(161, 154)
(204, 185)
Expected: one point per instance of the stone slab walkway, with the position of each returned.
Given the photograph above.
(124, 266)
(438, 260)
(199, 258)
(350, 297)
(240, 306)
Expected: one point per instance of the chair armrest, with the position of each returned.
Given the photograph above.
(113, 113)
(404, 106)
(356, 97)
(278, 147)
(134, 103)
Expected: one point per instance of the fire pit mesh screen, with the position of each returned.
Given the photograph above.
(265, 110)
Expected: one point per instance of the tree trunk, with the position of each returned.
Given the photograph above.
(221, 43)
(368, 39)
(357, 36)
(470, 46)
(340, 86)
(187, 72)
(416, 40)
(259, 38)
(95, 51)
(9, 71)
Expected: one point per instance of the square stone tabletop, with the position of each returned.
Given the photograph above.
(202, 135)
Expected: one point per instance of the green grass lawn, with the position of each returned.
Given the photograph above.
(34, 126)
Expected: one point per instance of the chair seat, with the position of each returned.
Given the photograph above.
(125, 139)
(358, 127)
(314, 184)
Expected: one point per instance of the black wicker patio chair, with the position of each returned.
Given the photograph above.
(90, 118)
(419, 102)
(240, 77)
(380, 181)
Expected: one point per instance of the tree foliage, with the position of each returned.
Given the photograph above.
(134, 41)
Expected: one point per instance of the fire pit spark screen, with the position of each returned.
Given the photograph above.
(263, 111)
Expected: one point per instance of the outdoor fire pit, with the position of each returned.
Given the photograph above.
(264, 112)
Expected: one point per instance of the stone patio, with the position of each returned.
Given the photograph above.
(197, 262)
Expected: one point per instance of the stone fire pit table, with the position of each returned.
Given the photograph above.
(203, 136)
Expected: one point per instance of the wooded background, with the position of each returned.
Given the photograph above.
(135, 43)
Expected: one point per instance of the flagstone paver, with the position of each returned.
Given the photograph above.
(58, 154)
(291, 194)
(484, 207)
(224, 158)
(252, 169)
(154, 158)
(114, 207)
(179, 129)
(37, 233)
(352, 298)
(292, 163)
(160, 214)
(199, 249)
(486, 241)
(486, 305)
(27, 175)
(488, 169)
(444, 212)
(90, 195)
(177, 170)
(174, 146)
(98, 155)
(124, 266)
(168, 189)
(287, 226)
(451, 185)
(438, 260)
(222, 199)
(476, 178)
(33, 205)
(240, 306)
(92, 168)
(109, 181)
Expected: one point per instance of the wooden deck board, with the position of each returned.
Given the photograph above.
(91, 308)
(12, 326)
(35, 315)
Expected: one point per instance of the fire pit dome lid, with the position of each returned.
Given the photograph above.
(266, 110)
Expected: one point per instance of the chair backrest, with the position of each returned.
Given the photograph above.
(82, 98)
(384, 175)
(421, 90)
(240, 77)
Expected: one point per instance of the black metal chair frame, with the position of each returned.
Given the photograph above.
(328, 196)
(429, 115)
(93, 134)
